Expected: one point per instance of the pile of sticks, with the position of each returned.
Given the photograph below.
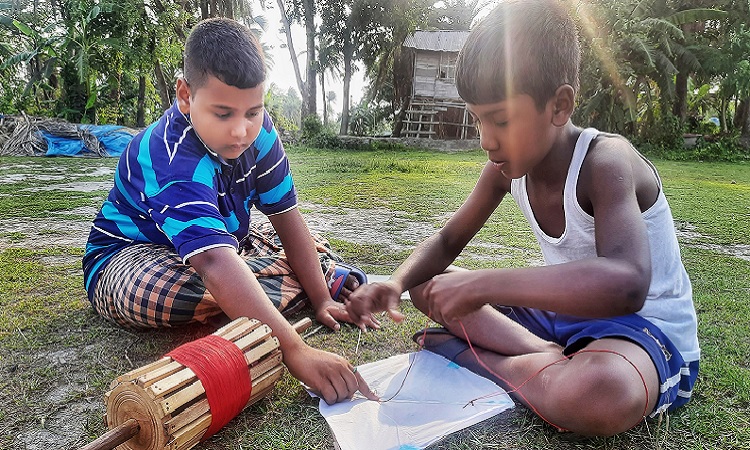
(20, 135)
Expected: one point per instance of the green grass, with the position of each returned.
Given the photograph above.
(57, 357)
(713, 197)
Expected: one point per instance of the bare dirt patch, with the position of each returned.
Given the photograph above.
(688, 236)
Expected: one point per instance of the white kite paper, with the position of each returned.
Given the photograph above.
(435, 400)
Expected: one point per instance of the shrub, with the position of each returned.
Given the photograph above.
(311, 127)
(725, 148)
(665, 133)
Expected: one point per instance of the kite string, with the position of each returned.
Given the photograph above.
(517, 389)
(403, 382)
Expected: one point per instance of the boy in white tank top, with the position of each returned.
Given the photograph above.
(604, 334)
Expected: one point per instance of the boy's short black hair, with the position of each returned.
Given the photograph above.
(225, 49)
(521, 47)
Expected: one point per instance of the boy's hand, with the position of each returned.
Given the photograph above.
(331, 312)
(329, 376)
(449, 296)
(373, 298)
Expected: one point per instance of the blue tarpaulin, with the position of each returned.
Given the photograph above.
(113, 138)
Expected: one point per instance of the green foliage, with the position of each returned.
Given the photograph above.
(284, 109)
(315, 135)
(635, 51)
(311, 127)
(725, 148)
(708, 148)
(75, 58)
(325, 139)
(367, 119)
(664, 132)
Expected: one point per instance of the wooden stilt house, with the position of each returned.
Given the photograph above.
(435, 110)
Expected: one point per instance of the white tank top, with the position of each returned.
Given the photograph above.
(669, 303)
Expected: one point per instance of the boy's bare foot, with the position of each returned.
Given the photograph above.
(444, 343)
(345, 280)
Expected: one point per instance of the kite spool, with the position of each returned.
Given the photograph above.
(163, 405)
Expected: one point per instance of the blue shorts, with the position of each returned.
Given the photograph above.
(676, 377)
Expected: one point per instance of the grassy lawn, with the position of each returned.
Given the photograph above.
(57, 357)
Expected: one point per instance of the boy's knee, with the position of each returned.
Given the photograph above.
(604, 399)
(416, 294)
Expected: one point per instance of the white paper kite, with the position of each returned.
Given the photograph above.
(434, 401)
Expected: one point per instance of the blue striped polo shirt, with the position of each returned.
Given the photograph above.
(171, 189)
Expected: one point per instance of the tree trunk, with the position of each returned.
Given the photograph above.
(309, 12)
(400, 117)
(229, 9)
(293, 54)
(140, 115)
(740, 114)
(744, 113)
(403, 70)
(166, 102)
(204, 9)
(325, 101)
(115, 95)
(348, 51)
(679, 108)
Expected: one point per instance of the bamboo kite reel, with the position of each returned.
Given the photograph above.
(163, 405)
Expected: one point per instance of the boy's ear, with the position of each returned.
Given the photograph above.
(563, 105)
(183, 95)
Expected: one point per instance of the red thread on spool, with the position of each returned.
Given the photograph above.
(221, 367)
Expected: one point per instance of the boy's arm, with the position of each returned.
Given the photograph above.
(436, 253)
(238, 293)
(615, 282)
(303, 258)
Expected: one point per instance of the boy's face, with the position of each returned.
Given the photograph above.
(514, 133)
(227, 118)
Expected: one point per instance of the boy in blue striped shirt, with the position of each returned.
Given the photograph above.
(172, 243)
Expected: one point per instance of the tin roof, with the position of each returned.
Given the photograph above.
(439, 41)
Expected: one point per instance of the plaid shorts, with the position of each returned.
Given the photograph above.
(148, 286)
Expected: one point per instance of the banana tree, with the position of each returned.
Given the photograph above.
(637, 46)
(82, 46)
(39, 55)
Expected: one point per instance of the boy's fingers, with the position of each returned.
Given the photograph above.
(363, 388)
(328, 393)
(328, 320)
(368, 320)
(396, 315)
(371, 322)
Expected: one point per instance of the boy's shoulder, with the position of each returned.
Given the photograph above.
(167, 151)
(613, 164)
(610, 141)
(611, 149)
(171, 136)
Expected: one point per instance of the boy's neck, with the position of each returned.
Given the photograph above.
(553, 169)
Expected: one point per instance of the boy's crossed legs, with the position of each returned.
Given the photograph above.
(605, 389)
(148, 286)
